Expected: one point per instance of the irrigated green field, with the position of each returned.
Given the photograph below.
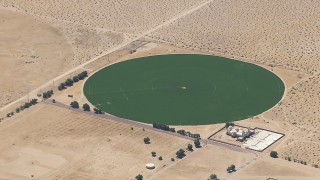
(184, 89)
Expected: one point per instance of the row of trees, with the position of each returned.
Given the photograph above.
(182, 131)
(70, 82)
(85, 107)
(23, 107)
(187, 133)
(47, 95)
(163, 127)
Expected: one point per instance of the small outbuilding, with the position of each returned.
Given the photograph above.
(150, 166)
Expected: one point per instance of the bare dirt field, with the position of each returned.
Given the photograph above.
(49, 142)
(41, 40)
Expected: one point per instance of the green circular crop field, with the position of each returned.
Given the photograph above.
(184, 89)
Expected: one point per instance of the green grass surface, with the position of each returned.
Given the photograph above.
(184, 89)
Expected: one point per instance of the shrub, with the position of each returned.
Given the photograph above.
(231, 168)
(61, 87)
(75, 78)
(146, 140)
(213, 177)
(153, 154)
(180, 154)
(197, 143)
(182, 132)
(190, 147)
(97, 111)
(74, 104)
(160, 158)
(274, 154)
(139, 177)
(229, 124)
(172, 159)
(69, 82)
(86, 107)
(34, 101)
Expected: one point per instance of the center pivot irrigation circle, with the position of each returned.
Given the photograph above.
(184, 89)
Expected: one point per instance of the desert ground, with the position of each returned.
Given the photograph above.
(42, 43)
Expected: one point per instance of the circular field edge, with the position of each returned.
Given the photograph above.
(220, 56)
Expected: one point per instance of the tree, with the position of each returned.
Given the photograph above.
(74, 104)
(75, 78)
(153, 154)
(17, 110)
(83, 75)
(26, 105)
(197, 143)
(229, 124)
(180, 154)
(190, 147)
(213, 177)
(231, 168)
(69, 82)
(34, 101)
(146, 140)
(47, 94)
(160, 158)
(182, 132)
(86, 107)
(274, 154)
(172, 130)
(97, 111)
(139, 177)
(62, 86)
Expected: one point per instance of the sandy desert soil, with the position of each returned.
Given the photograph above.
(27, 47)
(48, 38)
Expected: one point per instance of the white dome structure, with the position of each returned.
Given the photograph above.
(150, 166)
